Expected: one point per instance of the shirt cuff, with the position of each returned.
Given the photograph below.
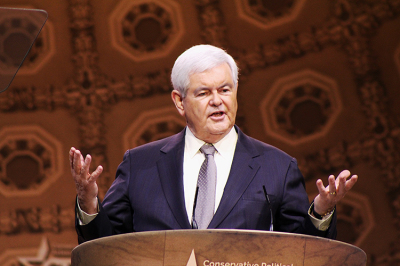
(83, 217)
(323, 224)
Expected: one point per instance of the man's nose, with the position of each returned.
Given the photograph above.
(216, 99)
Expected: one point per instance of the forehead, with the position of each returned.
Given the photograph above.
(212, 77)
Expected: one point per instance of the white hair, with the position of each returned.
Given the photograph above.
(198, 59)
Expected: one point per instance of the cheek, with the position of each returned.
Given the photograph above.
(233, 106)
(197, 115)
(201, 110)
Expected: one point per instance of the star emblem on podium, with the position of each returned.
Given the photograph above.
(192, 259)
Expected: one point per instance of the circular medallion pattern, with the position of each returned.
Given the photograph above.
(300, 107)
(305, 101)
(266, 14)
(153, 125)
(29, 160)
(146, 29)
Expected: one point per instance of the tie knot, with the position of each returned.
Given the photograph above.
(208, 149)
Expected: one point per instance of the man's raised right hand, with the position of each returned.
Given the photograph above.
(86, 186)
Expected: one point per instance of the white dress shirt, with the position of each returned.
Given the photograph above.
(193, 159)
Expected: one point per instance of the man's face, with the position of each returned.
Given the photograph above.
(210, 104)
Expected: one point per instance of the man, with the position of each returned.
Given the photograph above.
(160, 185)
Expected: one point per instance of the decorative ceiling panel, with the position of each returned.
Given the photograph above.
(355, 214)
(267, 14)
(153, 125)
(146, 29)
(30, 160)
(301, 107)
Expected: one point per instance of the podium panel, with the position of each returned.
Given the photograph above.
(216, 248)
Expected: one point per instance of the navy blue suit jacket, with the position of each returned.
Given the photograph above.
(147, 193)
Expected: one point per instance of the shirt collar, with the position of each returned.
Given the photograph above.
(225, 147)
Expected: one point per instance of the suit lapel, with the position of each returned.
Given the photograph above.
(243, 170)
(170, 170)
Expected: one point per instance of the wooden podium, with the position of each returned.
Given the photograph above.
(216, 248)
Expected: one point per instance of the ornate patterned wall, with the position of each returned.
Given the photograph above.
(310, 70)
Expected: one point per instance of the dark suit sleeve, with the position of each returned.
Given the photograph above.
(115, 213)
(293, 211)
(98, 227)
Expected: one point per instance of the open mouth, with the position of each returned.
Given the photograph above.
(217, 114)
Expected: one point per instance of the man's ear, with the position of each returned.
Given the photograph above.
(178, 101)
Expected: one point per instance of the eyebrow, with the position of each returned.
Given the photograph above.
(226, 84)
(200, 89)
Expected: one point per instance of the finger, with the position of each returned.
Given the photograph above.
(332, 185)
(343, 176)
(351, 182)
(321, 187)
(344, 173)
(71, 156)
(86, 166)
(78, 162)
(341, 184)
(96, 173)
(342, 180)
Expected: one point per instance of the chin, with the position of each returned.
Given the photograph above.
(220, 132)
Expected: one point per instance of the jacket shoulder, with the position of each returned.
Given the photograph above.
(155, 147)
(257, 147)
